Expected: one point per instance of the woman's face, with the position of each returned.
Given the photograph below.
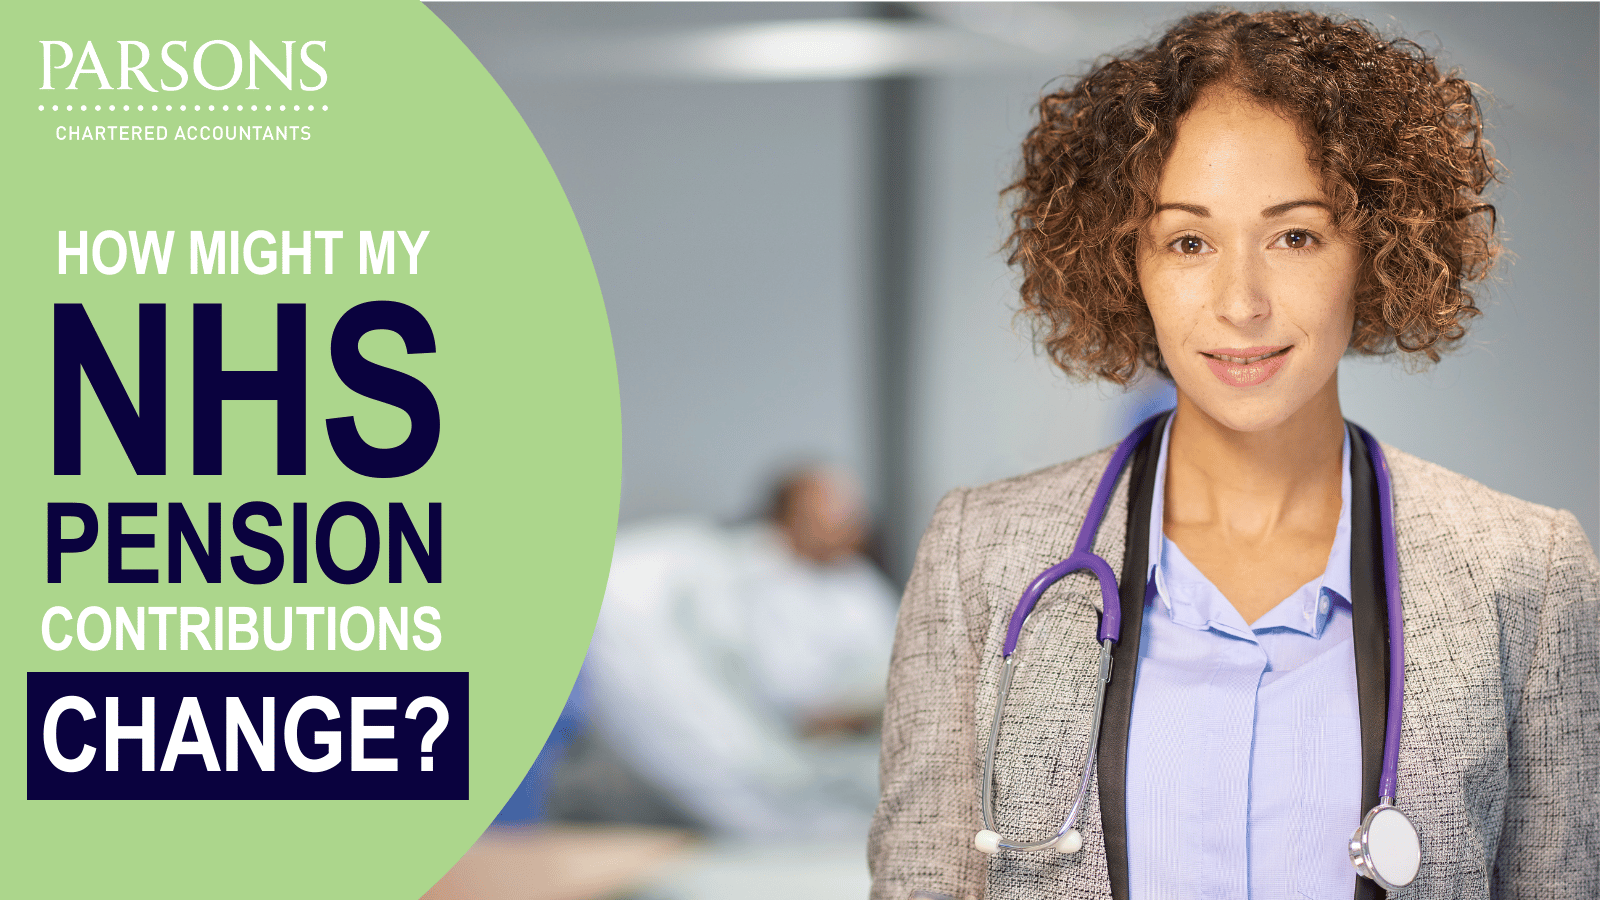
(1250, 286)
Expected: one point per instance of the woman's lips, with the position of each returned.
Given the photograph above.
(1245, 366)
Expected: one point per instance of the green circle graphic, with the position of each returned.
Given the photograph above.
(403, 133)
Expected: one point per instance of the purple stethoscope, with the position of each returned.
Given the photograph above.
(1385, 846)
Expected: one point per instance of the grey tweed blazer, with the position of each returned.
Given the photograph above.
(1500, 746)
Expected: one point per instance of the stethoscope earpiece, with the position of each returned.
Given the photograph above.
(989, 842)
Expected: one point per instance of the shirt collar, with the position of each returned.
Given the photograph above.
(1199, 604)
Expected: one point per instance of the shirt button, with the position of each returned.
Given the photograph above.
(1322, 605)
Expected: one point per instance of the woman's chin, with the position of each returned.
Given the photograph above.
(1242, 414)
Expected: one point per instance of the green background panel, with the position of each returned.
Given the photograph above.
(416, 136)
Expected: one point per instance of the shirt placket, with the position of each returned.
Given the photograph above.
(1225, 816)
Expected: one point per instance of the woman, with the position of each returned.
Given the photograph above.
(1237, 207)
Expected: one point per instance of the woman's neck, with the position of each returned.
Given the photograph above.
(1237, 476)
(1255, 511)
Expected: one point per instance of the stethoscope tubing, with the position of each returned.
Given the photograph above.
(1083, 557)
(1397, 638)
(1088, 762)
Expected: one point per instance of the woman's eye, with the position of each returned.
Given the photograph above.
(1297, 240)
(1189, 245)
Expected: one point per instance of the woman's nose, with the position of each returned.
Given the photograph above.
(1240, 290)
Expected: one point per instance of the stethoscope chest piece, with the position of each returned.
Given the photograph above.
(1386, 848)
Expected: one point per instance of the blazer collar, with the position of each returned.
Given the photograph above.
(1113, 753)
(1368, 619)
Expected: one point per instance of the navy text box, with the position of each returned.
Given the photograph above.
(390, 766)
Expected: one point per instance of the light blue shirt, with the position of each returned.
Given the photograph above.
(1244, 748)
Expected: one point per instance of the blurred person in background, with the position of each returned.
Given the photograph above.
(740, 671)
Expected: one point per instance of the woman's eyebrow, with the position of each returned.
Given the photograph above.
(1270, 212)
(1273, 212)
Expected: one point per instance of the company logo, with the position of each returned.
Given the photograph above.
(135, 56)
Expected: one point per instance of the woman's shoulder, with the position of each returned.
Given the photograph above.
(1451, 522)
(1428, 493)
(1054, 482)
(1027, 521)
(1053, 492)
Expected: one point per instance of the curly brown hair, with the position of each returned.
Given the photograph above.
(1399, 144)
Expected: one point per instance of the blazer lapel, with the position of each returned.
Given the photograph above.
(1369, 621)
(1112, 763)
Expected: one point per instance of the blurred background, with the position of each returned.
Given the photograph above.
(794, 212)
